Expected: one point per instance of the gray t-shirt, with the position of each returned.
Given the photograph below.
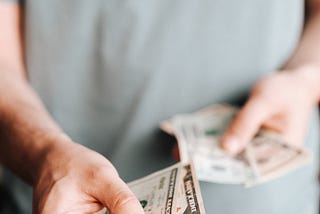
(109, 71)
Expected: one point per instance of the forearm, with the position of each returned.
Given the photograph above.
(306, 58)
(27, 132)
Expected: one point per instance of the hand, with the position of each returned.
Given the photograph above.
(75, 179)
(281, 102)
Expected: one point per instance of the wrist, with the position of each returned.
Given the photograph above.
(51, 153)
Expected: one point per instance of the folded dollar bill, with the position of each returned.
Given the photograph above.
(174, 190)
(266, 157)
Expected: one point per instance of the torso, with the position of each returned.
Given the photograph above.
(110, 71)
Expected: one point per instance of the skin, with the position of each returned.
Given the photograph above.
(283, 101)
(69, 178)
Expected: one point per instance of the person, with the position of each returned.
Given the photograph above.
(84, 84)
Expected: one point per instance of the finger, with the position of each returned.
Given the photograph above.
(245, 125)
(276, 123)
(118, 198)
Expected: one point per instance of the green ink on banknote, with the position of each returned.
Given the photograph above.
(143, 203)
(212, 132)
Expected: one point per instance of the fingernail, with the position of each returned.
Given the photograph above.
(232, 145)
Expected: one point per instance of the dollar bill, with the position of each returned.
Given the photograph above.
(174, 190)
(198, 138)
(266, 157)
(270, 157)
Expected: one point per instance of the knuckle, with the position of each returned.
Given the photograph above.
(99, 172)
(121, 199)
(102, 172)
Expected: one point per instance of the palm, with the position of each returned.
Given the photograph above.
(71, 200)
(79, 180)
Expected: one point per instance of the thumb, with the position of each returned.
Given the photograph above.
(118, 198)
(245, 125)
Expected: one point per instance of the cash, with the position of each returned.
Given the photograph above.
(266, 157)
(174, 190)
